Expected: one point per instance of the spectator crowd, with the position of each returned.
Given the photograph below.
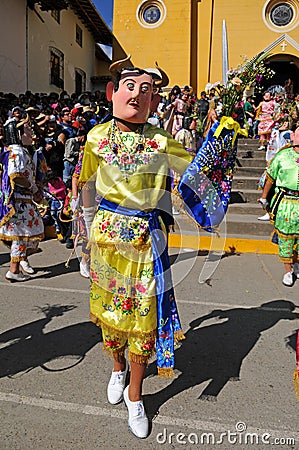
(57, 125)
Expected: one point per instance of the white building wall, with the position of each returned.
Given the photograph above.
(62, 36)
(13, 76)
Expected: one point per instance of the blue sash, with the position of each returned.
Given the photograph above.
(168, 322)
(206, 184)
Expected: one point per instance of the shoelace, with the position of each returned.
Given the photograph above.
(139, 410)
(117, 379)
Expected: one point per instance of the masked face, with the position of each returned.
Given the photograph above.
(132, 100)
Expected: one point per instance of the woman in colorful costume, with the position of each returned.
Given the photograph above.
(284, 208)
(21, 226)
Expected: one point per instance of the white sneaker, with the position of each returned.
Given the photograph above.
(13, 277)
(116, 387)
(26, 267)
(288, 279)
(296, 270)
(138, 422)
(265, 217)
(84, 269)
(261, 147)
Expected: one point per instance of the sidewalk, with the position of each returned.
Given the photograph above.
(233, 371)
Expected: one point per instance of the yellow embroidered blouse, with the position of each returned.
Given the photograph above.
(128, 176)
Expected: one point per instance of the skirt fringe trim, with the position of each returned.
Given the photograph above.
(4, 237)
(139, 359)
(120, 245)
(179, 336)
(18, 258)
(100, 323)
(8, 216)
(286, 236)
(296, 383)
(117, 354)
(166, 372)
(285, 260)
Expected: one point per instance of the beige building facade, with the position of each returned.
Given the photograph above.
(186, 36)
(44, 49)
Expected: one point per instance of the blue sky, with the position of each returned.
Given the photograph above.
(105, 8)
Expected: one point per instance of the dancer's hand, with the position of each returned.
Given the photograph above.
(264, 202)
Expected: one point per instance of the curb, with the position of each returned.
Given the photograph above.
(230, 244)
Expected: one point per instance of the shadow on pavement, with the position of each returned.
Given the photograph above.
(183, 256)
(29, 347)
(292, 340)
(57, 269)
(215, 352)
(4, 258)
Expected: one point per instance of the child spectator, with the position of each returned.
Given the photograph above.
(65, 217)
(57, 190)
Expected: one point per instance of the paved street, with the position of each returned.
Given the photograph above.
(233, 372)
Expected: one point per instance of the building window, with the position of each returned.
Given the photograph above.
(55, 13)
(79, 35)
(151, 13)
(80, 81)
(56, 67)
(281, 16)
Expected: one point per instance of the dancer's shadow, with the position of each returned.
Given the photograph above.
(4, 258)
(292, 340)
(28, 346)
(56, 270)
(215, 352)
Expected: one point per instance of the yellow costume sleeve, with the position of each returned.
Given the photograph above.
(178, 158)
(89, 164)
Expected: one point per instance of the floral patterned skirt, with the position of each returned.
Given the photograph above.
(122, 298)
(25, 224)
(265, 125)
(287, 217)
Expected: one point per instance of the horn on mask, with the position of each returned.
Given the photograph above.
(118, 65)
(164, 80)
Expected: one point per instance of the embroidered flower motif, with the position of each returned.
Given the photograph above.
(152, 144)
(112, 234)
(105, 225)
(122, 290)
(112, 283)
(127, 306)
(140, 288)
(137, 304)
(103, 143)
(112, 343)
(94, 276)
(167, 355)
(127, 234)
(148, 346)
(110, 158)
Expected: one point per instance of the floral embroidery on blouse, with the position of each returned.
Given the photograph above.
(128, 157)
